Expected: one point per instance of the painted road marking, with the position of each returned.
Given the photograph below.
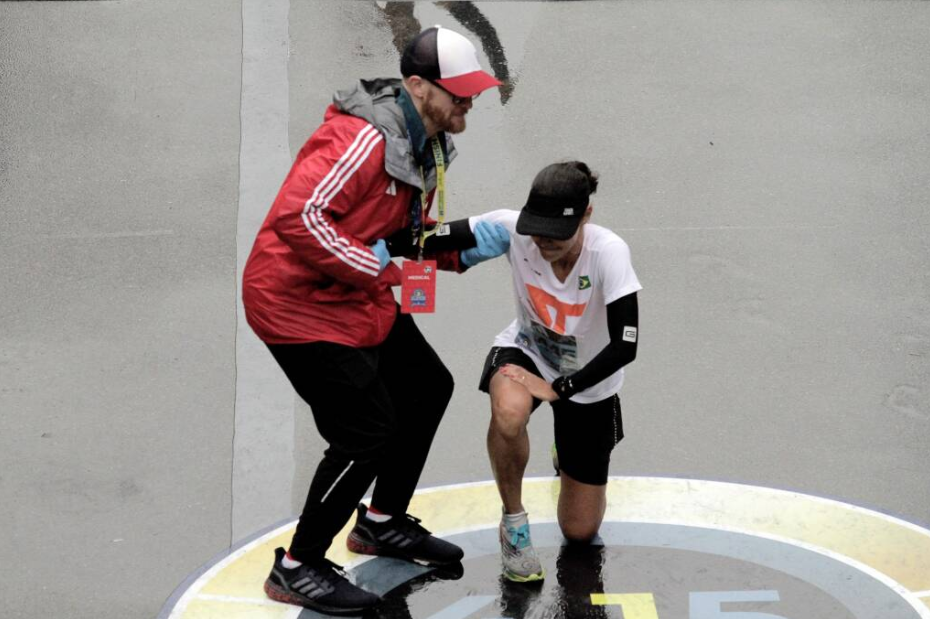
(464, 607)
(263, 422)
(238, 600)
(642, 605)
(892, 551)
(857, 588)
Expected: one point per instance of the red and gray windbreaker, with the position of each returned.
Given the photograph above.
(310, 276)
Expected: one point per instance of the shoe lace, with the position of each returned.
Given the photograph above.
(412, 523)
(334, 574)
(519, 536)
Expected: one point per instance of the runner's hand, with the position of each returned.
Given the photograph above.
(537, 387)
(492, 241)
(381, 251)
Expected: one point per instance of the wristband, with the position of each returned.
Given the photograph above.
(563, 387)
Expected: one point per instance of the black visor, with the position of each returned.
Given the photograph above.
(550, 216)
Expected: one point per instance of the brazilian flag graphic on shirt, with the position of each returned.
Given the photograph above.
(584, 282)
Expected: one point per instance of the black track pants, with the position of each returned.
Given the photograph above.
(378, 408)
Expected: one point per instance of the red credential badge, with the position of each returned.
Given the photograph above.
(418, 287)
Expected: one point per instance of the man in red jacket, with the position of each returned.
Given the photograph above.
(317, 291)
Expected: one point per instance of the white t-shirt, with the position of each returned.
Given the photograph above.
(563, 325)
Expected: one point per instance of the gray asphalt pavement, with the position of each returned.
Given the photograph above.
(766, 162)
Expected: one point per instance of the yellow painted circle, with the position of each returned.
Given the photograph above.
(890, 549)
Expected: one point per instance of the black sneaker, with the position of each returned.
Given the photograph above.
(321, 586)
(400, 537)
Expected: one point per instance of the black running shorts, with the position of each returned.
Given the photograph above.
(585, 434)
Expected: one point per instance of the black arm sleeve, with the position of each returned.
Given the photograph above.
(622, 315)
(455, 235)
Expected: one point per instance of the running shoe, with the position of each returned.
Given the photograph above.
(519, 558)
(401, 537)
(320, 585)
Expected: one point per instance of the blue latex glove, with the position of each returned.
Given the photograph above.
(493, 240)
(381, 251)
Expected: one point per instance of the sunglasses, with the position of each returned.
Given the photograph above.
(457, 100)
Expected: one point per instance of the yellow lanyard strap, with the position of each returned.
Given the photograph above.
(440, 195)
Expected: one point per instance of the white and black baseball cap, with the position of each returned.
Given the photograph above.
(447, 58)
(558, 201)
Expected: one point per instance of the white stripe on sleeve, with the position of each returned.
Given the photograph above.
(361, 259)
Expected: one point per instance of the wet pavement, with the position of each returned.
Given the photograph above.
(667, 548)
(667, 582)
(766, 163)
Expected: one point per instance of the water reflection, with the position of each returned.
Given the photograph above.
(397, 604)
(405, 25)
(565, 594)
(477, 590)
(578, 574)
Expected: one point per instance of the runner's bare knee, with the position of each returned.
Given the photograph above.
(509, 411)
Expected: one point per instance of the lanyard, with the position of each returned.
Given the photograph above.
(440, 196)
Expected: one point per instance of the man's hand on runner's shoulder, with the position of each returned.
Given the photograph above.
(492, 241)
